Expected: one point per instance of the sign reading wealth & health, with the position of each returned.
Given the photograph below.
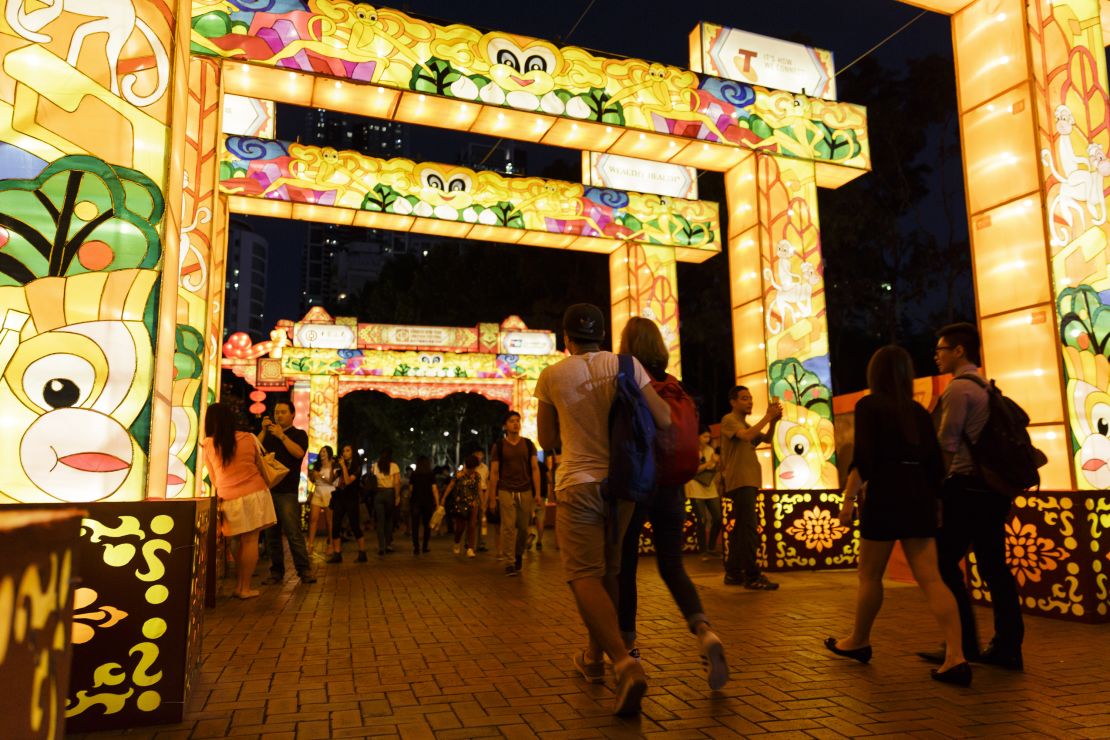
(641, 175)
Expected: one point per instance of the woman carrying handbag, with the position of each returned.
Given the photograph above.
(238, 472)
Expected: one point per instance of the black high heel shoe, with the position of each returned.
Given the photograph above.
(862, 654)
(957, 675)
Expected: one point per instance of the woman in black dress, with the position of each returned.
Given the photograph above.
(899, 460)
(423, 501)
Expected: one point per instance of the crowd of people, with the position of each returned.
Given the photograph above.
(909, 483)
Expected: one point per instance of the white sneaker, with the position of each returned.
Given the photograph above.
(456, 549)
(469, 553)
(713, 656)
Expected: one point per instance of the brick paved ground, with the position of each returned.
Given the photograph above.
(444, 647)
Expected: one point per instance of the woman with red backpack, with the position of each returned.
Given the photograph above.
(676, 462)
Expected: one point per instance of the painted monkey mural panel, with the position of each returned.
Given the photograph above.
(78, 287)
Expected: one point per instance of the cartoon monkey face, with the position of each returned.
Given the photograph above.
(784, 249)
(1096, 157)
(809, 274)
(804, 445)
(69, 396)
(528, 68)
(1093, 433)
(1088, 391)
(1065, 121)
(451, 188)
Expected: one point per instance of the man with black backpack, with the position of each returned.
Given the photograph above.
(973, 510)
(576, 396)
(514, 485)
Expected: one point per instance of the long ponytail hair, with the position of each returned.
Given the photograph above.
(219, 426)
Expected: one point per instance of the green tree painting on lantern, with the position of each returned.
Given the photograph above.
(804, 446)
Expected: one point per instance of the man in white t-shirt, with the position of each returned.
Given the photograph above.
(575, 397)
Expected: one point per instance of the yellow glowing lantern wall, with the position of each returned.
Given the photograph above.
(199, 270)
(1033, 113)
(643, 282)
(781, 335)
(86, 208)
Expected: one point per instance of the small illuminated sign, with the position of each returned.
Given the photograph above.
(527, 343)
(762, 60)
(639, 175)
(325, 336)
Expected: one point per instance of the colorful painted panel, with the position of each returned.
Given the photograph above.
(796, 331)
(300, 173)
(299, 362)
(78, 287)
(389, 48)
(644, 282)
(136, 626)
(1055, 546)
(1071, 93)
(439, 338)
(37, 562)
(84, 134)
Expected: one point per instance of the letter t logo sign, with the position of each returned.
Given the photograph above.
(744, 59)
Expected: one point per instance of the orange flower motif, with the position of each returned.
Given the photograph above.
(818, 529)
(1028, 555)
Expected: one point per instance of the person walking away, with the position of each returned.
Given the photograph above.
(346, 497)
(898, 458)
(387, 498)
(423, 501)
(514, 482)
(289, 445)
(741, 481)
(246, 506)
(704, 496)
(322, 474)
(973, 515)
(575, 397)
(539, 515)
(463, 495)
(483, 519)
(666, 510)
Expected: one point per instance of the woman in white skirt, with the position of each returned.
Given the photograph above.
(322, 474)
(246, 506)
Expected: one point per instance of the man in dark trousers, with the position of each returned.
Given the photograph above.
(289, 446)
(973, 516)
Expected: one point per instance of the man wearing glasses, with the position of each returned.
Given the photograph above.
(973, 516)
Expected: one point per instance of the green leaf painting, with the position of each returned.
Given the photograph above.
(791, 382)
(1084, 319)
(79, 215)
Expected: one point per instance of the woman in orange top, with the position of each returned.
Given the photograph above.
(246, 507)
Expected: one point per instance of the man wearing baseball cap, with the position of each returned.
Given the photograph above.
(575, 397)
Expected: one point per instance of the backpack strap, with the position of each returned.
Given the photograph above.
(975, 378)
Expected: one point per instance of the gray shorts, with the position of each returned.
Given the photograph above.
(588, 544)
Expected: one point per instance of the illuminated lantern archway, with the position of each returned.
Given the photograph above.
(116, 183)
(320, 359)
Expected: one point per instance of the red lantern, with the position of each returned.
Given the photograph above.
(258, 408)
(258, 396)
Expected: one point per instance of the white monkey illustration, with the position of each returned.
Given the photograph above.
(1065, 155)
(793, 292)
(116, 18)
(1078, 189)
